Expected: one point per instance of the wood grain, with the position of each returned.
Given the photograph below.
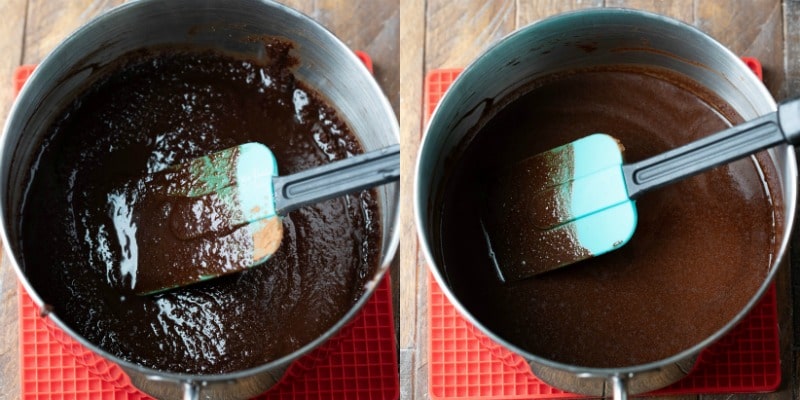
(534, 10)
(679, 9)
(749, 28)
(791, 32)
(370, 26)
(12, 30)
(11, 46)
(412, 357)
(9, 338)
(457, 31)
(49, 22)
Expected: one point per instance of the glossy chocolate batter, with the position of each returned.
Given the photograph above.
(701, 249)
(80, 221)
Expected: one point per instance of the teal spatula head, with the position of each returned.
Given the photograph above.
(225, 189)
(575, 201)
(559, 207)
(223, 212)
(221, 217)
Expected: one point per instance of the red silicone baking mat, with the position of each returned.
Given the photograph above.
(360, 362)
(465, 364)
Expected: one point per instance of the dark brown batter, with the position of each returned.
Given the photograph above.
(168, 107)
(702, 246)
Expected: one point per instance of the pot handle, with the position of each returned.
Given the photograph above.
(191, 391)
(619, 387)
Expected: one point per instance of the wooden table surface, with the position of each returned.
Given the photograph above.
(449, 34)
(32, 28)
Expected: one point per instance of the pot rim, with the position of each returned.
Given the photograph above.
(580, 371)
(390, 243)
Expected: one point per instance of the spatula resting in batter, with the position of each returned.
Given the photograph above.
(226, 208)
(581, 196)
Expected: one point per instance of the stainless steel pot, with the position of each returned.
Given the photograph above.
(553, 45)
(326, 64)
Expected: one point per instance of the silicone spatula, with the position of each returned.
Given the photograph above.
(227, 207)
(580, 196)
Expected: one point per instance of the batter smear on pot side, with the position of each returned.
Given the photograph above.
(80, 230)
(701, 250)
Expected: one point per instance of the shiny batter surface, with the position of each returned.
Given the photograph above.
(80, 222)
(701, 250)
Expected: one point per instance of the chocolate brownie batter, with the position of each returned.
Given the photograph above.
(702, 246)
(165, 107)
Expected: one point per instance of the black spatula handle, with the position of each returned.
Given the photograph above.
(337, 178)
(782, 126)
